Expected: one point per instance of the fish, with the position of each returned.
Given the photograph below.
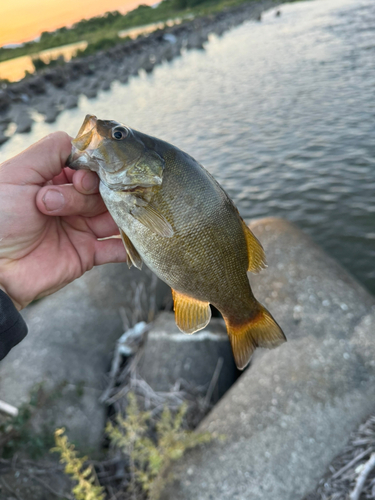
(176, 218)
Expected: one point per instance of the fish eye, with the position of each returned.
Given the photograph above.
(119, 133)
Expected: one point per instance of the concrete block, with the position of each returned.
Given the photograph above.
(287, 416)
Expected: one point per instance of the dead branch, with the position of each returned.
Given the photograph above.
(351, 463)
(13, 492)
(367, 468)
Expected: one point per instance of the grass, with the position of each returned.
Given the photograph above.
(17, 433)
(101, 32)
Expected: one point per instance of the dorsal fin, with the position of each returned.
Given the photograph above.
(255, 252)
(191, 314)
(134, 256)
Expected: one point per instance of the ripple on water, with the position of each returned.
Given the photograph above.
(281, 112)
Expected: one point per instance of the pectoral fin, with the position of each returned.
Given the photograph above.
(134, 256)
(191, 315)
(255, 252)
(153, 220)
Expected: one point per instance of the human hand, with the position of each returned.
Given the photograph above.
(50, 220)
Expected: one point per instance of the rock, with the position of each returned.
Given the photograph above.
(106, 83)
(51, 114)
(4, 101)
(69, 348)
(36, 84)
(291, 412)
(21, 117)
(48, 108)
(89, 87)
(4, 122)
(55, 76)
(195, 41)
(71, 102)
(170, 355)
(3, 138)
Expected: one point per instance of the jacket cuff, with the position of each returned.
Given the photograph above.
(12, 326)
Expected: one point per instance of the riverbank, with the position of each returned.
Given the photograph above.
(50, 91)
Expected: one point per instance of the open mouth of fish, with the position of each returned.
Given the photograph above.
(84, 146)
(83, 157)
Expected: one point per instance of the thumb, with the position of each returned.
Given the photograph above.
(39, 163)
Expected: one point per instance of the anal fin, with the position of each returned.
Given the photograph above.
(260, 330)
(191, 314)
(134, 256)
(255, 252)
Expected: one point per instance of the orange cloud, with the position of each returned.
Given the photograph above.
(23, 20)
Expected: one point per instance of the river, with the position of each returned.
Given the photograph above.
(282, 112)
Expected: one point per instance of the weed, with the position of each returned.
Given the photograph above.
(148, 447)
(85, 489)
(150, 458)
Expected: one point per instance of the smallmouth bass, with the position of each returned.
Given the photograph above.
(174, 216)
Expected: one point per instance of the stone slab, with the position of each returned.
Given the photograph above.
(289, 414)
(170, 355)
(69, 347)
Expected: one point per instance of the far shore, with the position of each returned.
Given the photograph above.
(51, 90)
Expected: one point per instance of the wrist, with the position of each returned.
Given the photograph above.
(16, 305)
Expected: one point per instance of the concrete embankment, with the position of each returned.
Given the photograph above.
(284, 419)
(291, 412)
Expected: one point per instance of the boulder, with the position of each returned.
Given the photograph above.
(36, 84)
(89, 87)
(195, 41)
(4, 100)
(69, 347)
(70, 102)
(48, 108)
(290, 413)
(170, 355)
(51, 114)
(3, 138)
(20, 116)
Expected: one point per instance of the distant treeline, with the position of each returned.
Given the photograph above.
(102, 31)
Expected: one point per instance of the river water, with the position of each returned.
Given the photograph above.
(282, 112)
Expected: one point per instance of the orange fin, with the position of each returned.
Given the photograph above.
(134, 256)
(255, 252)
(191, 314)
(259, 331)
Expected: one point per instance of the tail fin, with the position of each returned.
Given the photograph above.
(261, 330)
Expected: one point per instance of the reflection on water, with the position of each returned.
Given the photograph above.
(149, 28)
(15, 69)
(281, 112)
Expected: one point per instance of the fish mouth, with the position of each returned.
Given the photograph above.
(84, 145)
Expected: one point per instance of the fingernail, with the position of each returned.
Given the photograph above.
(90, 182)
(53, 200)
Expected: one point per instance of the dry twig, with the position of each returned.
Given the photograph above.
(367, 468)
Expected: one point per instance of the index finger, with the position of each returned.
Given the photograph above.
(39, 163)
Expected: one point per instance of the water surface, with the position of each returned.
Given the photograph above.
(281, 112)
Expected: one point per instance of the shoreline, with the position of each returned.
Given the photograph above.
(51, 91)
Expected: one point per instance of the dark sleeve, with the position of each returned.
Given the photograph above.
(12, 325)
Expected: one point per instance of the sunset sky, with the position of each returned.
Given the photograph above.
(23, 20)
